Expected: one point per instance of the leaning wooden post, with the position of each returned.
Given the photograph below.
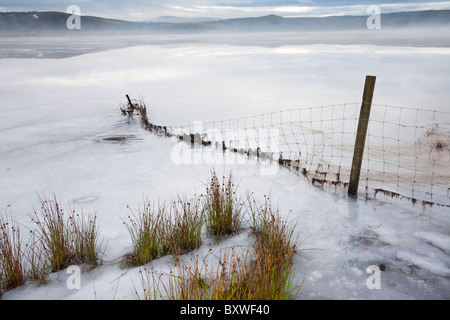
(129, 101)
(361, 133)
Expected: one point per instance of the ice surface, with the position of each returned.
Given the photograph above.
(57, 116)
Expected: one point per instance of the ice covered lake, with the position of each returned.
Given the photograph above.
(57, 112)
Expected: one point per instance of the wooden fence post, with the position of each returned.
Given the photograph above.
(129, 101)
(361, 133)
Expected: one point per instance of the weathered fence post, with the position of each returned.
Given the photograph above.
(129, 101)
(361, 133)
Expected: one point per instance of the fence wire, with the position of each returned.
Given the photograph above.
(406, 151)
(407, 154)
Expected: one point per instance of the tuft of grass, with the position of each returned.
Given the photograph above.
(38, 265)
(262, 272)
(194, 280)
(185, 226)
(85, 239)
(169, 230)
(65, 239)
(53, 233)
(222, 207)
(275, 249)
(224, 281)
(146, 228)
(11, 255)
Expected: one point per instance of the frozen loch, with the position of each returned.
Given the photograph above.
(62, 133)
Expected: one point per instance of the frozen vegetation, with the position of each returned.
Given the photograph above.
(58, 116)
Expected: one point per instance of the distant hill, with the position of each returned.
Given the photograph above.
(56, 21)
(388, 20)
(42, 22)
(173, 19)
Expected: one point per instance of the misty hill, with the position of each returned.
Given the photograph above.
(56, 21)
(42, 22)
(174, 19)
(388, 20)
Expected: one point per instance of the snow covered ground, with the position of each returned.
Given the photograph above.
(57, 112)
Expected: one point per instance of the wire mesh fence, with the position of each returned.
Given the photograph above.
(407, 154)
(406, 151)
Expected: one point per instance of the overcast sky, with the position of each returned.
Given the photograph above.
(150, 9)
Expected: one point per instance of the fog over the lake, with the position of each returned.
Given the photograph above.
(60, 101)
(213, 79)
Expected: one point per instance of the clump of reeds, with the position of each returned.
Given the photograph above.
(167, 230)
(19, 261)
(38, 263)
(12, 271)
(177, 228)
(224, 280)
(195, 279)
(223, 209)
(262, 272)
(185, 227)
(145, 228)
(66, 238)
(275, 247)
(85, 239)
